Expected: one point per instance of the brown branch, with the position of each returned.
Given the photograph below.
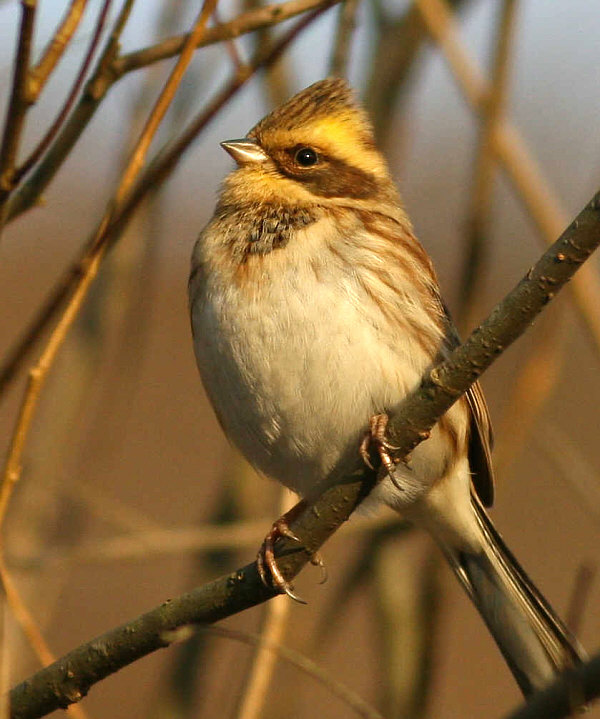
(52, 131)
(95, 91)
(110, 68)
(18, 104)
(70, 678)
(55, 49)
(246, 22)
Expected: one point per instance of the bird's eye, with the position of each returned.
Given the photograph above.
(306, 157)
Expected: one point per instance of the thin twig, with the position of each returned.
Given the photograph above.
(510, 148)
(343, 38)
(95, 91)
(485, 164)
(244, 23)
(52, 131)
(230, 44)
(277, 612)
(110, 68)
(18, 104)
(72, 676)
(97, 249)
(39, 74)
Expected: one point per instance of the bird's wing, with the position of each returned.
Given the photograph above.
(481, 439)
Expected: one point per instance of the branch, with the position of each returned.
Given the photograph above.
(68, 680)
(52, 131)
(246, 22)
(111, 68)
(55, 49)
(17, 107)
(566, 695)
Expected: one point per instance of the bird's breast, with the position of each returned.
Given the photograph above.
(296, 354)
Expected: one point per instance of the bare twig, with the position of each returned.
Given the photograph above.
(244, 23)
(110, 68)
(485, 164)
(94, 256)
(514, 155)
(19, 102)
(94, 92)
(151, 543)
(39, 74)
(70, 678)
(52, 131)
(343, 38)
(396, 49)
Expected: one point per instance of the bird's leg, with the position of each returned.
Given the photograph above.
(375, 435)
(266, 563)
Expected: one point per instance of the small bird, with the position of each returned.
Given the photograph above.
(314, 312)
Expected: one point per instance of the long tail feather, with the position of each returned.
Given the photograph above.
(534, 641)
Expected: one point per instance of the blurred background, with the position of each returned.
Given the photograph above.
(130, 494)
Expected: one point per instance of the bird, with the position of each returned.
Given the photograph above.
(314, 312)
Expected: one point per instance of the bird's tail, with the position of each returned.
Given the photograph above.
(535, 643)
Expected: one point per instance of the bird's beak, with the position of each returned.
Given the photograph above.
(245, 151)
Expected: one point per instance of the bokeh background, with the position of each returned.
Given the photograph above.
(130, 493)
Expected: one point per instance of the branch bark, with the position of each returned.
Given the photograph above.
(68, 680)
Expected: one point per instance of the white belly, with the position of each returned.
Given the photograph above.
(297, 365)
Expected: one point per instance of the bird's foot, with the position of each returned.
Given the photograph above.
(269, 572)
(375, 435)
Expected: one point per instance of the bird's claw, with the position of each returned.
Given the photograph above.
(376, 435)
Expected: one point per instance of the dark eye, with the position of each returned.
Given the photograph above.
(306, 157)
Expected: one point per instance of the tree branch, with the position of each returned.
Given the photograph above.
(17, 107)
(566, 696)
(68, 680)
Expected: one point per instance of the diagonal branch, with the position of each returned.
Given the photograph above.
(256, 19)
(38, 77)
(52, 131)
(111, 68)
(17, 107)
(69, 679)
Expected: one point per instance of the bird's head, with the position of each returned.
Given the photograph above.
(317, 147)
